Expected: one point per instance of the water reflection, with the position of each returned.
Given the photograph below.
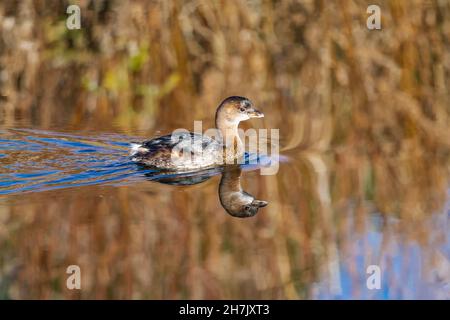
(233, 198)
(140, 233)
(236, 201)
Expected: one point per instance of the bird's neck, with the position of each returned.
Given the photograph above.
(230, 181)
(230, 135)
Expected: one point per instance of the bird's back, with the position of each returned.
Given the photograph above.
(181, 152)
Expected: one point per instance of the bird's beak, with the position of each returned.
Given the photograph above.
(253, 113)
(259, 203)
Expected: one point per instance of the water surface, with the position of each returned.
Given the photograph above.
(73, 198)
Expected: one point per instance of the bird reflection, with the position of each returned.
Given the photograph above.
(233, 198)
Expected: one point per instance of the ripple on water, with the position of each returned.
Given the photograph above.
(38, 160)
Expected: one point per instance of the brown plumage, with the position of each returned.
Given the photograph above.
(185, 151)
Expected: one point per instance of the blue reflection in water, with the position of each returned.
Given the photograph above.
(37, 160)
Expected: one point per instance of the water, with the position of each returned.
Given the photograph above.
(71, 198)
(37, 160)
(40, 160)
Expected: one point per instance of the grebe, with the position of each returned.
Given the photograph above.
(185, 151)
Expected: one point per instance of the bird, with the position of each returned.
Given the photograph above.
(185, 151)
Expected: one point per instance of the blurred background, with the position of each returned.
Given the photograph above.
(363, 118)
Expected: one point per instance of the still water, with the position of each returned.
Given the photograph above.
(74, 198)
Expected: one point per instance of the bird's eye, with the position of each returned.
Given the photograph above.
(246, 208)
(242, 109)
